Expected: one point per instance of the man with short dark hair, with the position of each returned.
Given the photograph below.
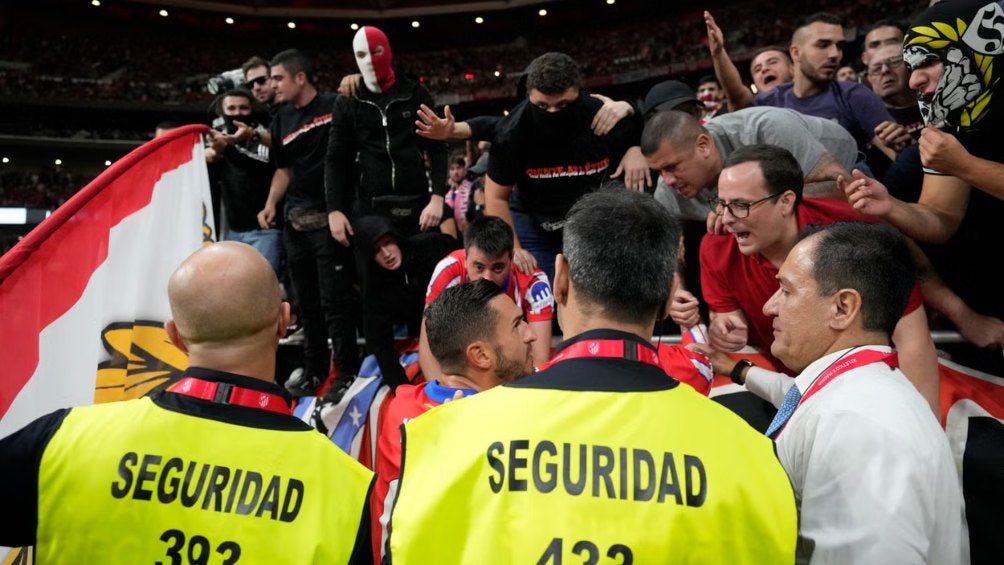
(481, 340)
(689, 155)
(817, 46)
(460, 197)
(258, 80)
(872, 469)
(552, 464)
(883, 33)
(545, 147)
(321, 270)
(488, 254)
(712, 96)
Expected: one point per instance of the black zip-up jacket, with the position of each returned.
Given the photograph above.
(380, 129)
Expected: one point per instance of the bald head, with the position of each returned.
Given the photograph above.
(224, 293)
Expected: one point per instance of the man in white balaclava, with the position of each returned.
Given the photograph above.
(378, 124)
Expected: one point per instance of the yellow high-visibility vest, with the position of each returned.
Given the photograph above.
(130, 482)
(545, 476)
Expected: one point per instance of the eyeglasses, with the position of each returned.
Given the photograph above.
(260, 81)
(892, 63)
(739, 210)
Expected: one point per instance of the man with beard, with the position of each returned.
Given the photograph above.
(488, 254)
(817, 47)
(481, 340)
(375, 163)
(545, 147)
(258, 80)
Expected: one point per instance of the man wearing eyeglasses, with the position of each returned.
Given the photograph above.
(888, 78)
(761, 206)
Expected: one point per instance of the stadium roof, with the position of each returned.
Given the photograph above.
(374, 9)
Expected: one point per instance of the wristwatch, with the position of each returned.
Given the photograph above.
(737, 372)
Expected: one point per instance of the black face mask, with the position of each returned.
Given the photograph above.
(555, 120)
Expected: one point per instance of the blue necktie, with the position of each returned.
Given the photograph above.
(787, 408)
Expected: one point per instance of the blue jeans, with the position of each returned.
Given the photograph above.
(544, 246)
(267, 242)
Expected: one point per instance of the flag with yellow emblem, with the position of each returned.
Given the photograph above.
(84, 294)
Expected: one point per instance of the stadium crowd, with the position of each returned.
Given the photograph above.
(134, 66)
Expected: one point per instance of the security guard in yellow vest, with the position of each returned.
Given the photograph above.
(599, 457)
(213, 470)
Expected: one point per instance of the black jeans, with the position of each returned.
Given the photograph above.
(323, 275)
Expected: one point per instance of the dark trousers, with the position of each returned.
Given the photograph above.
(323, 276)
(402, 211)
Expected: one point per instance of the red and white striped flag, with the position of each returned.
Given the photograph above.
(83, 297)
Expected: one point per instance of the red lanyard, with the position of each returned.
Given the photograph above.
(223, 393)
(844, 364)
(616, 348)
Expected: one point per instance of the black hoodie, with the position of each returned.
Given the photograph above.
(398, 296)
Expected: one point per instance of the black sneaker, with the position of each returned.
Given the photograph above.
(338, 389)
(300, 384)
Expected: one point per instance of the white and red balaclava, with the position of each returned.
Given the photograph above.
(373, 55)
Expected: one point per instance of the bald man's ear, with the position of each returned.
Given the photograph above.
(480, 355)
(559, 286)
(172, 333)
(283, 323)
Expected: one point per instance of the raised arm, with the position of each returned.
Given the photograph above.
(739, 96)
